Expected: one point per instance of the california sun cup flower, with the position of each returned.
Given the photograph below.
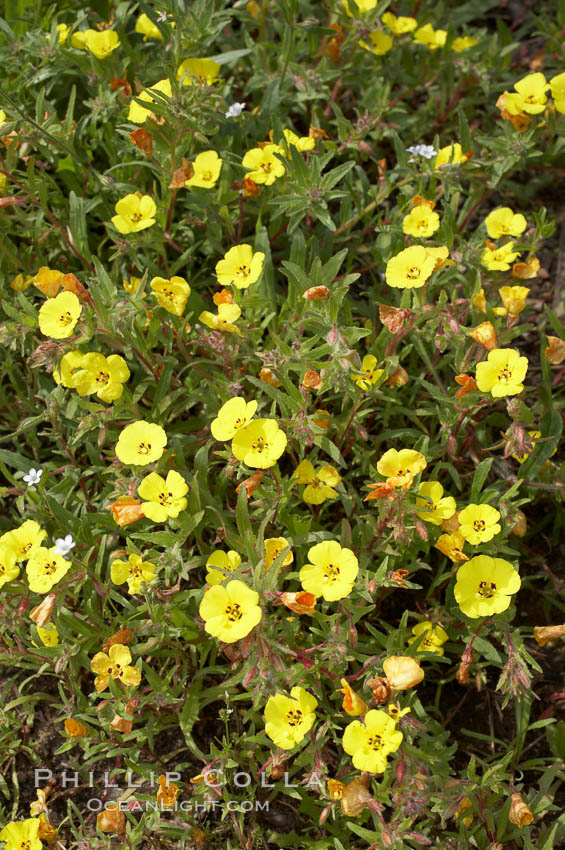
(331, 572)
(114, 665)
(259, 444)
(289, 719)
(141, 443)
(230, 611)
(370, 742)
(485, 586)
(502, 373)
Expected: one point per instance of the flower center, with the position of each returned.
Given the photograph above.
(165, 499)
(243, 271)
(102, 378)
(479, 525)
(260, 445)
(207, 175)
(331, 573)
(487, 589)
(504, 375)
(136, 216)
(266, 167)
(413, 273)
(144, 448)
(294, 717)
(26, 547)
(49, 567)
(65, 319)
(375, 742)
(233, 612)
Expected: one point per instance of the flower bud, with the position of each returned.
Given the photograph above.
(402, 672)
(312, 381)
(74, 729)
(380, 689)
(300, 602)
(317, 293)
(111, 820)
(520, 526)
(355, 798)
(42, 613)
(125, 510)
(520, 813)
(545, 634)
(485, 335)
(352, 703)
(462, 674)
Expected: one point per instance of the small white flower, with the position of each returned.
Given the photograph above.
(427, 151)
(63, 545)
(235, 110)
(162, 19)
(33, 477)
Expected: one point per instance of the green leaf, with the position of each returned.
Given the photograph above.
(479, 478)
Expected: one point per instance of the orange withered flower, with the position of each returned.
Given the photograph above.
(317, 293)
(352, 702)
(485, 335)
(75, 729)
(143, 140)
(467, 384)
(123, 636)
(126, 509)
(301, 602)
(167, 793)
(312, 380)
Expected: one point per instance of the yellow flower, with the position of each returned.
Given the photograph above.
(199, 72)
(479, 523)
(452, 546)
(22, 835)
(532, 93)
(78, 39)
(23, 541)
(115, 665)
(102, 43)
(132, 285)
(433, 637)
(504, 222)
(352, 702)
(396, 712)
(139, 114)
(134, 213)
(164, 497)
(259, 444)
(167, 793)
(228, 561)
(141, 443)
(135, 571)
(484, 586)
(557, 92)
(514, 298)
(207, 166)
(289, 719)
(368, 374)
(63, 31)
(230, 611)
(58, 316)
(19, 283)
(421, 222)
(9, 569)
(222, 321)
(463, 43)
(370, 742)
(48, 635)
(410, 269)
(450, 155)
(145, 27)
(400, 467)
(479, 301)
(275, 546)
(402, 672)
(436, 508)
(461, 809)
(240, 267)
(45, 568)
(171, 294)
(502, 372)
(94, 373)
(331, 572)
(320, 484)
(301, 143)
(361, 6)
(335, 789)
(499, 259)
(233, 415)
(400, 25)
(381, 43)
(262, 164)
(433, 39)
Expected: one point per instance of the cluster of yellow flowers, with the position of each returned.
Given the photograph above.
(257, 442)
(381, 42)
(44, 568)
(484, 584)
(530, 98)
